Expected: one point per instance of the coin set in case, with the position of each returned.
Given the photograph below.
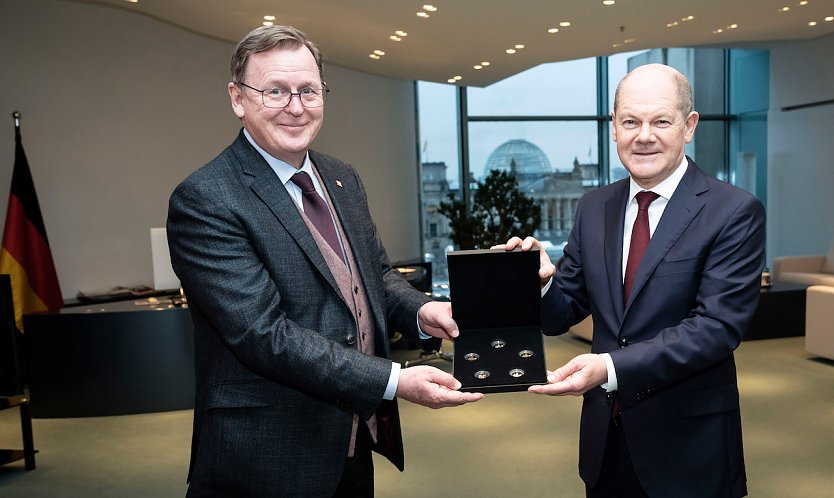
(496, 300)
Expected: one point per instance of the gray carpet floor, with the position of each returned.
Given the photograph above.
(507, 445)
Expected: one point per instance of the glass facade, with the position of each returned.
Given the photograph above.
(550, 126)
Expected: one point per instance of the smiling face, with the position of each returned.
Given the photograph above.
(651, 125)
(288, 132)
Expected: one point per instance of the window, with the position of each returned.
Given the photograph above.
(550, 125)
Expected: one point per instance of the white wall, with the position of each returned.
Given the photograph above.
(801, 149)
(118, 108)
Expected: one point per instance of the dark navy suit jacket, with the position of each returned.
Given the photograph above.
(672, 344)
(279, 373)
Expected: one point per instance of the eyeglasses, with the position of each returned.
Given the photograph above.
(278, 98)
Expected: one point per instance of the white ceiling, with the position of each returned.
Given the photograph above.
(462, 33)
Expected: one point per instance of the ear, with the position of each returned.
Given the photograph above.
(236, 97)
(691, 123)
(614, 126)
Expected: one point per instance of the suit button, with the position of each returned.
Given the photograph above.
(350, 339)
(623, 342)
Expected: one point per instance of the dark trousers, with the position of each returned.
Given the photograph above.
(617, 478)
(358, 477)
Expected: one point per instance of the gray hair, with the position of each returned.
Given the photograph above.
(682, 86)
(265, 38)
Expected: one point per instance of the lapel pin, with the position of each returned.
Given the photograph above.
(338, 183)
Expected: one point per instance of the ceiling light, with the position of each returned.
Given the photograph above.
(457, 78)
(803, 2)
(269, 18)
(812, 23)
(784, 9)
(716, 31)
(510, 50)
(553, 30)
(400, 32)
(395, 38)
(733, 26)
(519, 47)
(564, 24)
(379, 52)
(268, 23)
(132, 1)
(429, 8)
(451, 80)
(672, 24)
(630, 40)
(422, 14)
(829, 19)
(608, 2)
(616, 45)
(477, 66)
(374, 56)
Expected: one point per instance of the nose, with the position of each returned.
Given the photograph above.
(294, 106)
(646, 133)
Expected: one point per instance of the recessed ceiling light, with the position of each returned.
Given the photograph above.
(553, 30)
(422, 14)
(379, 52)
(687, 18)
(269, 18)
(510, 50)
(485, 63)
(672, 24)
(477, 66)
(784, 9)
(451, 80)
(132, 1)
(519, 46)
(616, 45)
(374, 56)
(457, 78)
(395, 38)
(268, 23)
(608, 2)
(812, 23)
(429, 8)
(400, 32)
(716, 31)
(829, 19)
(630, 40)
(733, 26)
(803, 2)
(564, 24)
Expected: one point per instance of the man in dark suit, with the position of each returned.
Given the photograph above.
(660, 415)
(291, 294)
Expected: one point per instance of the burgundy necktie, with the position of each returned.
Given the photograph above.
(316, 209)
(639, 239)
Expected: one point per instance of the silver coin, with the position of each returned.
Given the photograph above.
(471, 356)
(516, 372)
(481, 374)
(498, 343)
(525, 353)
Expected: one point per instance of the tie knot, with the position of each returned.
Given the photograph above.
(645, 198)
(304, 182)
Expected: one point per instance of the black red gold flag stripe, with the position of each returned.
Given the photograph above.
(25, 252)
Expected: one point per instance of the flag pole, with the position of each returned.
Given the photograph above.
(16, 117)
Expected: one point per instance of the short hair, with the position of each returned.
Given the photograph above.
(265, 38)
(682, 87)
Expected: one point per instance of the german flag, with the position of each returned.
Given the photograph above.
(25, 254)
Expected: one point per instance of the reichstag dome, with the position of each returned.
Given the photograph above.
(529, 160)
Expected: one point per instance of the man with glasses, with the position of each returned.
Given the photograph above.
(291, 294)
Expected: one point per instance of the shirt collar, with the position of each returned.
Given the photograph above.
(284, 170)
(665, 188)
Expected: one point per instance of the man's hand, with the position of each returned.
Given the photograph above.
(546, 267)
(432, 387)
(435, 319)
(576, 377)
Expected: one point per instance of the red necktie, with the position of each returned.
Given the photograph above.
(316, 209)
(639, 239)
